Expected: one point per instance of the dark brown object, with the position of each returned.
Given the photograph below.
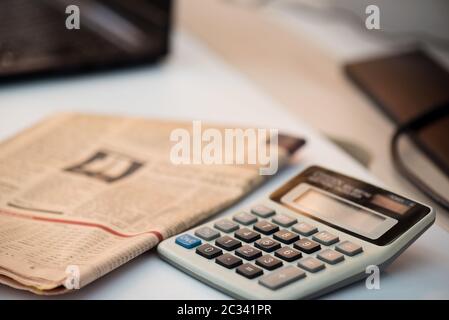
(34, 40)
(405, 86)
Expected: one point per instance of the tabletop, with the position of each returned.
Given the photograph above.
(195, 84)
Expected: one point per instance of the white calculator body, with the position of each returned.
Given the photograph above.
(318, 232)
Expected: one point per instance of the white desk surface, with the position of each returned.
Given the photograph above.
(195, 84)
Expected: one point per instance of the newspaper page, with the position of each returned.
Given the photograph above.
(83, 194)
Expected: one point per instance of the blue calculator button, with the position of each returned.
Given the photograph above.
(188, 241)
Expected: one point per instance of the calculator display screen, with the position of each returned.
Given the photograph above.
(350, 205)
(391, 204)
(337, 211)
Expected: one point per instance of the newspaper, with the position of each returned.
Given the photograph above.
(83, 194)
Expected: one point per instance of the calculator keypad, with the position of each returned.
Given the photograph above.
(229, 261)
(207, 233)
(262, 211)
(248, 252)
(286, 236)
(284, 221)
(304, 229)
(288, 254)
(247, 235)
(292, 245)
(228, 243)
(307, 246)
(187, 241)
(330, 256)
(266, 227)
(249, 271)
(245, 218)
(325, 238)
(282, 277)
(226, 225)
(267, 244)
(268, 262)
(349, 248)
(311, 264)
(208, 251)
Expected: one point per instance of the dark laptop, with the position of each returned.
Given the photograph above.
(34, 39)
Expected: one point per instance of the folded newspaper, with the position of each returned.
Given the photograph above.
(86, 193)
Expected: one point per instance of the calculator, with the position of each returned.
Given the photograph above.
(316, 233)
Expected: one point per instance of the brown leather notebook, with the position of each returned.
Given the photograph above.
(404, 86)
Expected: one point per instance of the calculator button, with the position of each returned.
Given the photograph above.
(245, 218)
(304, 228)
(306, 245)
(330, 256)
(248, 252)
(325, 238)
(282, 277)
(266, 227)
(349, 248)
(228, 243)
(267, 244)
(226, 225)
(250, 271)
(188, 241)
(247, 235)
(269, 262)
(208, 251)
(228, 260)
(286, 236)
(284, 220)
(311, 264)
(287, 254)
(262, 211)
(207, 233)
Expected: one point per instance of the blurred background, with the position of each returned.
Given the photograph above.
(316, 59)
